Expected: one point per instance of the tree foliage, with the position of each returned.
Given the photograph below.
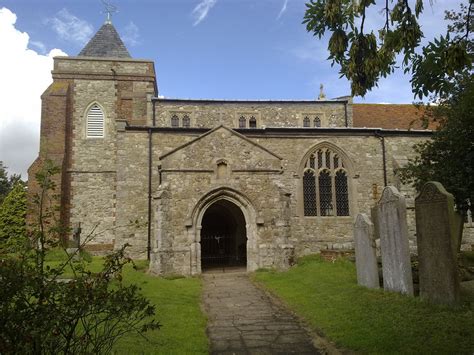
(365, 55)
(6, 183)
(42, 312)
(13, 215)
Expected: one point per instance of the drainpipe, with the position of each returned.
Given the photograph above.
(384, 160)
(149, 191)
(154, 116)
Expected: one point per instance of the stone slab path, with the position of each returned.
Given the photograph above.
(244, 320)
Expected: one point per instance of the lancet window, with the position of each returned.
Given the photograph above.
(325, 185)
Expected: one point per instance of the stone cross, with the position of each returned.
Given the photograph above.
(366, 259)
(393, 230)
(437, 244)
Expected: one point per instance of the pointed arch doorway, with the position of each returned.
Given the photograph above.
(223, 236)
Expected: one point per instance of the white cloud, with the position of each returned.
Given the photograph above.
(131, 34)
(283, 9)
(201, 10)
(71, 28)
(24, 74)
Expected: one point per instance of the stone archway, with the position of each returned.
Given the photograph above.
(223, 236)
(238, 206)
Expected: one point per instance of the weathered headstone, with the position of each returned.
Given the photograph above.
(366, 259)
(393, 231)
(437, 244)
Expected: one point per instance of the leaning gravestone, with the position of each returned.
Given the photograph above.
(366, 259)
(437, 244)
(393, 232)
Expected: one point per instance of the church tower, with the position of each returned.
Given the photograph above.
(93, 95)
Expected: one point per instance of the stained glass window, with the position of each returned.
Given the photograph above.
(325, 193)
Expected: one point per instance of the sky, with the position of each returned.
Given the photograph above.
(214, 49)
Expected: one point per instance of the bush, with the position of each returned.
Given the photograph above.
(43, 313)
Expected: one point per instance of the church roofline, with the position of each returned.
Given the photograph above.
(292, 131)
(235, 101)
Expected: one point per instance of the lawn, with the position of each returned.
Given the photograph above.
(177, 303)
(370, 321)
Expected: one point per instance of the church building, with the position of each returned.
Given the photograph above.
(211, 182)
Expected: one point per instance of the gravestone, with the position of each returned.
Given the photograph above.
(393, 232)
(436, 234)
(366, 259)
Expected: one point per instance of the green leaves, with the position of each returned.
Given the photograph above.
(363, 59)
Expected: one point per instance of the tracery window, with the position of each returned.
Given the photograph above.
(174, 120)
(186, 121)
(95, 122)
(317, 122)
(306, 122)
(242, 122)
(325, 185)
(253, 122)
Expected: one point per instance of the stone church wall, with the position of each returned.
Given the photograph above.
(210, 114)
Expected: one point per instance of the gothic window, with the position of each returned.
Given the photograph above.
(186, 121)
(325, 185)
(174, 121)
(342, 194)
(242, 122)
(309, 191)
(317, 122)
(253, 122)
(95, 122)
(306, 122)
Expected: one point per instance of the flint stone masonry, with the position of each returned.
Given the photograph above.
(366, 259)
(392, 226)
(437, 244)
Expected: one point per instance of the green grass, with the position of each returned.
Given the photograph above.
(177, 303)
(369, 321)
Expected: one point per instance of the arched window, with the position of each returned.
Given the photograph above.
(253, 122)
(317, 122)
(306, 122)
(174, 121)
(325, 184)
(186, 121)
(95, 122)
(242, 122)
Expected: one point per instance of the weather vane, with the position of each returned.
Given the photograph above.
(109, 9)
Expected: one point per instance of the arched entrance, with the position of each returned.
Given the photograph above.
(223, 236)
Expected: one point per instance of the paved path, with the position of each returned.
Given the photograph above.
(243, 320)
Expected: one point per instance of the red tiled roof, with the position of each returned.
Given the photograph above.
(389, 116)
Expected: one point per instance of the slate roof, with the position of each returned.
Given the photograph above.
(105, 43)
(389, 116)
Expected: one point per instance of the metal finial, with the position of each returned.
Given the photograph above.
(322, 95)
(109, 10)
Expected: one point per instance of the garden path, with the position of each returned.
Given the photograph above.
(244, 320)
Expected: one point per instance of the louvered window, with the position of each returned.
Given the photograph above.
(306, 121)
(186, 121)
(325, 185)
(95, 122)
(253, 122)
(242, 122)
(317, 122)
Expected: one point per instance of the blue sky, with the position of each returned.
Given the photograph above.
(228, 49)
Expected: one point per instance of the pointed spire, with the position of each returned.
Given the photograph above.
(105, 43)
(322, 95)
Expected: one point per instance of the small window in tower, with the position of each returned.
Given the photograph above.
(186, 121)
(306, 122)
(242, 122)
(317, 122)
(95, 122)
(174, 121)
(253, 122)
